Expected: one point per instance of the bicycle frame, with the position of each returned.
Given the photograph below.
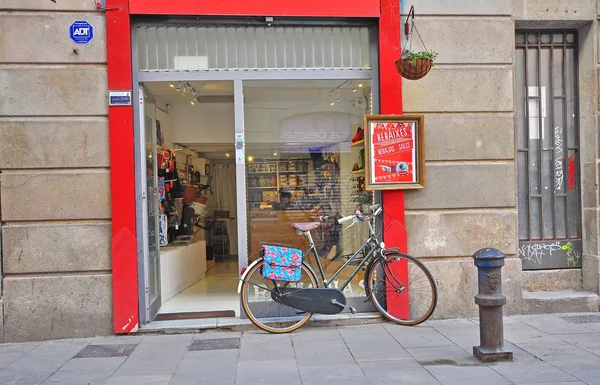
(372, 240)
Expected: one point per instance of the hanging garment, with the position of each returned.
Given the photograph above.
(162, 230)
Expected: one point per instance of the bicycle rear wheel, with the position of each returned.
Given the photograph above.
(401, 288)
(258, 300)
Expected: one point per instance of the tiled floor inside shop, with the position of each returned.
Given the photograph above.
(218, 291)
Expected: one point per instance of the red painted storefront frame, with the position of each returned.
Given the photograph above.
(120, 119)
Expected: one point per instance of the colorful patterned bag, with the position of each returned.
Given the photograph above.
(282, 263)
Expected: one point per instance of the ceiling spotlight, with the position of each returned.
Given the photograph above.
(172, 85)
(274, 154)
(227, 154)
(178, 86)
(184, 88)
(250, 158)
(360, 85)
(331, 100)
(337, 96)
(192, 102)
(353, 88)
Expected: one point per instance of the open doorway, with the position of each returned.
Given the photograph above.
(191, 200)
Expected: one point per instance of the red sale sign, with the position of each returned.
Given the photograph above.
(394, 152)
(393, 156)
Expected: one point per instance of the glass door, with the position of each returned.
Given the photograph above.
(150, 207)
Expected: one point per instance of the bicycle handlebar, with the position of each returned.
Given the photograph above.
(359, 217)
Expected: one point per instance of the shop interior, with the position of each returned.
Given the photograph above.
(303, 160)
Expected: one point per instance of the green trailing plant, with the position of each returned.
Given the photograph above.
(413, 56)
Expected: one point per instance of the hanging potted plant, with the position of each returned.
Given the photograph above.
(414, 65)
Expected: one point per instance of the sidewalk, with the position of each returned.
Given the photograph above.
(548, 349)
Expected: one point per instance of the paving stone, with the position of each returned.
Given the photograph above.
(267, 348)
(156, 356)
(207, 367)
(282, 372)
(377, 350)
(397, 372)
(317, 353)
(316, 334)
(41, 362)
(312, 373)
(89, 371)
(588, 342)
(551, 350)
(117, 340)
(551, 383)
(552, 324)
(10, 353)
(526, 334)
(459, 332)
(209, 335)
(333, 374)
(365, 333)
(418, 336)
(581, 365)
(460, 375)
(431, 354)
(531, 372)
(140, 380)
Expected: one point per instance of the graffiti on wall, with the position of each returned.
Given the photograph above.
(550, 254)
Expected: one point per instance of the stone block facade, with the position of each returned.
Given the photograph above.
(54, 173)
(470, 200)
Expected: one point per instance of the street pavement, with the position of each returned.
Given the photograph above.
(557, 349)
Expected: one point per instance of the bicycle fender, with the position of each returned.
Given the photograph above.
(243, 277)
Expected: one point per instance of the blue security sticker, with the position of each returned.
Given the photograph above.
(81, 32)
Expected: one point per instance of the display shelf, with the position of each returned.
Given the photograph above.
(358, 171)
(262, 187)
(262, 172)
(359, 143)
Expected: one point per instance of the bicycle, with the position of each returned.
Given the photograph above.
(285, 306)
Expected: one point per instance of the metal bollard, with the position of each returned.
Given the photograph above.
(490, 299)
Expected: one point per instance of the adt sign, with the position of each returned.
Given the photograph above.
(81, 32)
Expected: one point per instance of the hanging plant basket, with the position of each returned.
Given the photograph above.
(413, 69)
(414, 65)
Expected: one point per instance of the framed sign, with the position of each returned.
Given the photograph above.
(395, 155)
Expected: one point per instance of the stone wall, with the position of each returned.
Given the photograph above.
(54, 173)
(470, 199)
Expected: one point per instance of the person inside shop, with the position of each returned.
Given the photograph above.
(286, 202)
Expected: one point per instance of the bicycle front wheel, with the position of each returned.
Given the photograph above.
(258, 300)
(401, 288)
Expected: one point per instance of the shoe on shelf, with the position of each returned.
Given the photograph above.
(355, 167)
(360, 134)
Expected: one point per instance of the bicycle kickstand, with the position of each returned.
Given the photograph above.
(351, 308)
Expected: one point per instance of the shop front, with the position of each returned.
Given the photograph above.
(244, 122)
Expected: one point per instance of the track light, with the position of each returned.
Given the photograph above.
(172, 85)
(337, 96)
(360, 85)
(353, 88)
(192, 102)
(178, 86)
(331, 100)
(184, 88)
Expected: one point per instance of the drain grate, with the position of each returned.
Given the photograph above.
(215, 344)
(94, 351)
(582, 319)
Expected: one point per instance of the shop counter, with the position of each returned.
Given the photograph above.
(181, 266)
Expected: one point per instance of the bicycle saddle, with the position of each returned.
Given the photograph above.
(305, 226)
